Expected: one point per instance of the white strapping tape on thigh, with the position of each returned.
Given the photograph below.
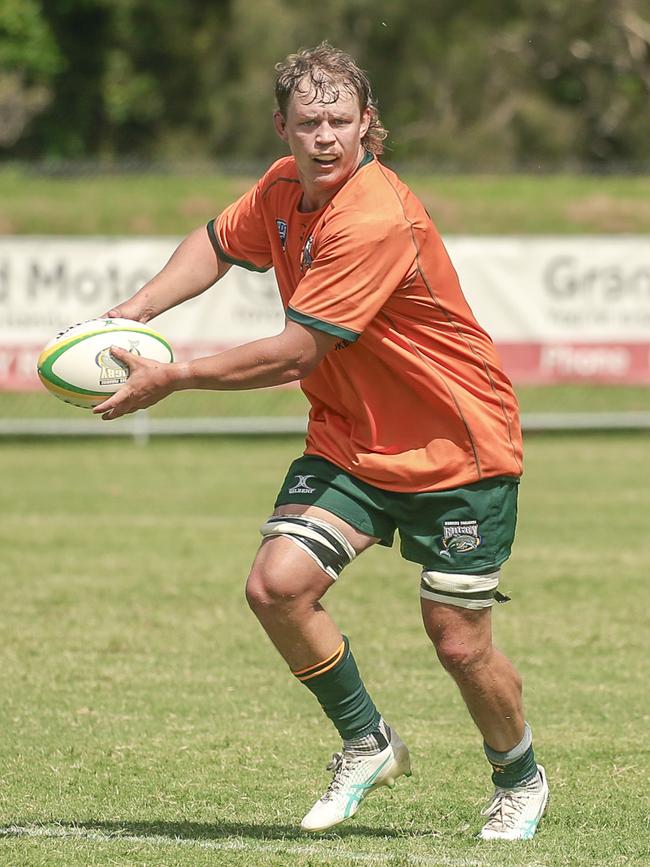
(465, 591)
(323, 542)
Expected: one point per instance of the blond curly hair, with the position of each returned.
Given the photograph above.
(329, 70)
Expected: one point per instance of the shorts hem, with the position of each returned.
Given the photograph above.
(469, 570)
(340, 513)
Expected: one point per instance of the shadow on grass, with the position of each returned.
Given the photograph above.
(198, 831)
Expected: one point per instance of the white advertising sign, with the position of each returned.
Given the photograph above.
(559, 309)
(47, 284)
(562, 309)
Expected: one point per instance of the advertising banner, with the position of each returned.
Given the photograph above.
(565, 309)
(569, 309)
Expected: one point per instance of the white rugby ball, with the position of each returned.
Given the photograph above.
(77, 366)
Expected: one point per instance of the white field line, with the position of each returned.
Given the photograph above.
(268, 847)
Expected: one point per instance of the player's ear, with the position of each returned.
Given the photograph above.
(366, 117)
(280, 125)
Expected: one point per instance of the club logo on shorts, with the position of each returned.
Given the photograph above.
(283, 229)
(301, 486)
(460, 537)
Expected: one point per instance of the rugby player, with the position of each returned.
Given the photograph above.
(413, 427)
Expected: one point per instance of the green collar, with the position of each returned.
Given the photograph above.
(367, 158)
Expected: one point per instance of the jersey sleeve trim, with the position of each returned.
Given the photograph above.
(320, 325)
(221, 253)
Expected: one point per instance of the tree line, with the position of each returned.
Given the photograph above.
(465, 84)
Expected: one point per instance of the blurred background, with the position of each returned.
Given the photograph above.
(470, 85)
(126, 120)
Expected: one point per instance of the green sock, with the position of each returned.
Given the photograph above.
(337, 685)
(517, 766)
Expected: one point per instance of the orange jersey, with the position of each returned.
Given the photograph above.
(413, 396)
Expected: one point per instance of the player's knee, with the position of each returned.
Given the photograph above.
(262, 592)
(267, 590)
(459, 657)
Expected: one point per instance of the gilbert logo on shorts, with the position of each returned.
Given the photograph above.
(460, 537)
(301, 486)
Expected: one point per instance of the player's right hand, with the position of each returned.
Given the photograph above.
(148, 382)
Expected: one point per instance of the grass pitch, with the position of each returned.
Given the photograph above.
(146, 720)
(159, 203)
(278, 402)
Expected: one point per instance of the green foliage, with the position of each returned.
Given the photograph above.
(29, 59)
(466, 84)
(26, 42)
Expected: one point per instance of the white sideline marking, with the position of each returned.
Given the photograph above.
(271, 846)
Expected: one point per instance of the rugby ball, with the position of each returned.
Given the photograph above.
(77, 365)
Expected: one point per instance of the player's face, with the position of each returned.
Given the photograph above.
(325, 140)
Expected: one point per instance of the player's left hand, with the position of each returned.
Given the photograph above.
(148, 382)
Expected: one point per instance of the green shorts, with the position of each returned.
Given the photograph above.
(462, 531)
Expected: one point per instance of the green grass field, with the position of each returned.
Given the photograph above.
(173, 204)
(145, 719)
(593, 398)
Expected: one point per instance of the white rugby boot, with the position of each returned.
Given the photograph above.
(355, 775)
(515, 813)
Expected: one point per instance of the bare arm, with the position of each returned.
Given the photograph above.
(192, 268)
(288, 356)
